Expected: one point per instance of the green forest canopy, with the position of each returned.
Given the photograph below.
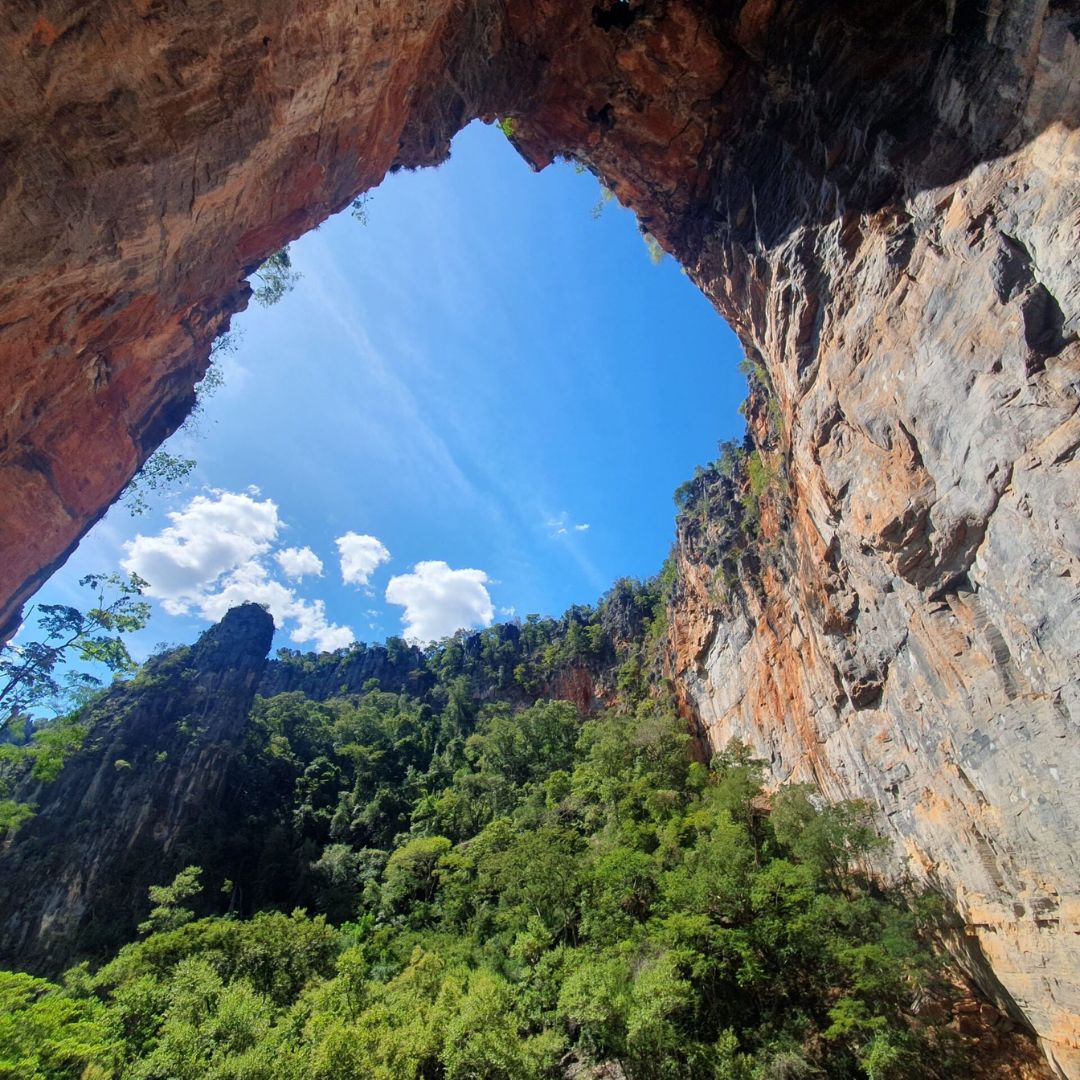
(494, 894)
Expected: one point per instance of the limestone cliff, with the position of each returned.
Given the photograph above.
(155, 763)
(348, 672)
(914, 640)
(882, 199)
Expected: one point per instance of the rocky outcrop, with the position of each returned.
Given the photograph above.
(880, 198)
(121, 814)
(153, 156)
(915, 636)
(399, 668)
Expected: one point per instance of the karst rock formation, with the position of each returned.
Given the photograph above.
(155, 766)
(881, 198)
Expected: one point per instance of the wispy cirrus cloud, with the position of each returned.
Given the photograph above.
(425, 453)
(562, 525)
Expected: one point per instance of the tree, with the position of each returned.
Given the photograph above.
(27, 672)
(162, 469)
(169, 911)
(656, 252)
(44, 1033)
(276, 277)
(28, 682)
(410, 872)
(358, 207)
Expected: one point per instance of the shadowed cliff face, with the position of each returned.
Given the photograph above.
(881, 199)
(156, 762)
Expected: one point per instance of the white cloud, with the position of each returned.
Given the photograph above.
(438, 600)
(295, 563)
(213, 535)
(313, 625)
(560, 525)
(211, 558)
(509, 612)
(251, 582)
(360, 555)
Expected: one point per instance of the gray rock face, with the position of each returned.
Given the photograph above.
(155, 761)
(916, 640)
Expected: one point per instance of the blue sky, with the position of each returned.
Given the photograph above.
(482, 378)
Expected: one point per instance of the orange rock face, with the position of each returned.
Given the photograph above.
(915, 636)
(881, 199)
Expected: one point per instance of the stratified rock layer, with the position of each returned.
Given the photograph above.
(880, 198)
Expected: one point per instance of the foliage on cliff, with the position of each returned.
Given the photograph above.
(498, 892)
(501, 857)
(728, 513)
(325, 765)
(33, 680)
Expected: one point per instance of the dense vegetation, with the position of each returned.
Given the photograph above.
(497, 893)
(325, 774)
(720, 512)
(502, 859)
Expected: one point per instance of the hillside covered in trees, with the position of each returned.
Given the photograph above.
(500, 857)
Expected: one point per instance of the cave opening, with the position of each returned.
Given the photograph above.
(491, 374)
(881, 199)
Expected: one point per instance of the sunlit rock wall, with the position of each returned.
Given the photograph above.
(916, 641)
(151, 155)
